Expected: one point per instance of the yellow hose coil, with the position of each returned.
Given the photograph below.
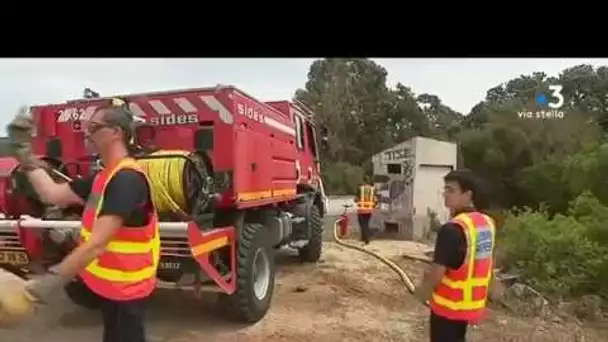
(404, 277)
(166, 177)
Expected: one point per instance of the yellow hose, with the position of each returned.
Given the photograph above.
(404, 277)
(166, 177)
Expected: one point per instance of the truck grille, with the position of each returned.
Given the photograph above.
(9, 241)
(170, 246)
(175, 246)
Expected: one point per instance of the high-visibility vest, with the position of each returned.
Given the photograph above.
(365, 200)
(126, 270)
(462, 294)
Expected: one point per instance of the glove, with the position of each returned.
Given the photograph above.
(45, 287)
(16, 305)
(20, 132)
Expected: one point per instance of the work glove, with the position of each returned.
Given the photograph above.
(20, 132)
(45, 288)
(16, 305)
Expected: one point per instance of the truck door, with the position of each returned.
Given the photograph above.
(301, 164)
(311, 144)
(307, 146)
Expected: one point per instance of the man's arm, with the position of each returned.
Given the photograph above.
(123, 195)
(20, 132)
(57, 194)
(448, 255)
(104, 229)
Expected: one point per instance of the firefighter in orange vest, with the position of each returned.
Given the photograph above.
(457, 284)
(366, 202)
(117, 258)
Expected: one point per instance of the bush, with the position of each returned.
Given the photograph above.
(342, 178)
(558, 181)
(563, 255)
(588, 210)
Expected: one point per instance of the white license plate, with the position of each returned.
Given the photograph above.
(14, 258)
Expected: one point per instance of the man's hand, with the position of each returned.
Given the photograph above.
(431, 278)
(20, 131)
(45, 287)
(423, 294)
(16, 305)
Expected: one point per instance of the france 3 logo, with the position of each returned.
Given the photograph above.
(548, 105)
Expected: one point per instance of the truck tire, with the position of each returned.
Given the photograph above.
(80, 295)
(312, 251)
(255, 276)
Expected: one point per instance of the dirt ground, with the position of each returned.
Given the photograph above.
(347, 297)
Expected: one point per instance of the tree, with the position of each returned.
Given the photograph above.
(555, 166)
(499, 144)
(4, 151)
(405, 119)
(363, 116)
(351, 99)
(443, 121)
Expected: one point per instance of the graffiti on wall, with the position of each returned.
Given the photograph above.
(398, 188)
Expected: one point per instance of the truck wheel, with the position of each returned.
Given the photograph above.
(312, 251)
(80, 295)
(255, 276)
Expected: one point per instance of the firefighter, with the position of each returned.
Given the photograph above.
(456, 285)
(117, 258)
(366, 201)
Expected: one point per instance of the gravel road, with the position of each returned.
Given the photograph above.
(346, 297)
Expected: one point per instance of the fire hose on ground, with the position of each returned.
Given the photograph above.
(405, 278)
(407, 281)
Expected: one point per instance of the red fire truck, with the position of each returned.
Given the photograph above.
(234, 179)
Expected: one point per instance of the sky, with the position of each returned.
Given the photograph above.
(459, 83)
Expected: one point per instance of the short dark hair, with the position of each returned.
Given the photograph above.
(464, 178)
(468, 181)
(119, 117)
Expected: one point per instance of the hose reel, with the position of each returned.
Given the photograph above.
(182, 183)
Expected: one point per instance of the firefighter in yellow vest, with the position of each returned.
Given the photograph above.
(457, 284)
(366, 202)
(117, 258)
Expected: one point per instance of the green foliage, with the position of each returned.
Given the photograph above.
(556, 168)
(342, 178)
(363, 116)
(557, 181)
(560, 256)
(4, 151)
(592, 215)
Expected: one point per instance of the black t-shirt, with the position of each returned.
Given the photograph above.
(451, 246)
(127, 195)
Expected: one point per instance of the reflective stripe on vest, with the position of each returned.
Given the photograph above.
(462, 294)
(365, 202)
(126, 270)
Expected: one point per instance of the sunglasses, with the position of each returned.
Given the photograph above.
(92, 128)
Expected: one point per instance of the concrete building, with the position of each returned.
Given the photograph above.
(409, 180)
